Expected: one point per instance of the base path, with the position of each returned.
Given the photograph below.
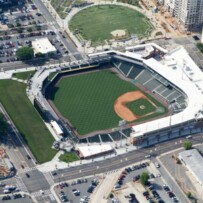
(122, 110)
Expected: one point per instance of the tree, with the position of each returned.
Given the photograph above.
(20, 30)
(29, 29)
(39, 55)
(187, 145)
(144, 178)
(25, 53)
(3, 124)
(200, 46)
(189, 195)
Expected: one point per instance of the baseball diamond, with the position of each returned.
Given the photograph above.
(86, 100)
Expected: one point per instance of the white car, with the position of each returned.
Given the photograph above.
(157, 165)
(147, 156)
(76, 192)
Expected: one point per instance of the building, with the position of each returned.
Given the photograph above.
(94, 150)
(194, 162)
(56, 128)
(170, 6)
(43, 46)
(188, 12)
(174, 78)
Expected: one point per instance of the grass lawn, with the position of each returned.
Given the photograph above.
(135, 107)
(69, 157)
(27, 120)
(96, 23)
(131, 2)
(87, 100)
(23, 75)
(51, 76)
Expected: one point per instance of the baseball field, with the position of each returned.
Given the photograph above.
(90, 101)
(97, 22)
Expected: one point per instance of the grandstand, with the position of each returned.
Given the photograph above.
(155, 75)
(108, 137)
(154, 82)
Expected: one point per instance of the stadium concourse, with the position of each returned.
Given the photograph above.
(170, 76)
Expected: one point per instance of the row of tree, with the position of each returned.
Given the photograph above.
(3, 124)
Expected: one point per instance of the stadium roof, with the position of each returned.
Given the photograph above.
(43, 46)
(187, 76)
(194, 162)
(87, 151)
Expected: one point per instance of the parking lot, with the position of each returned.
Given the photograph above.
(20, 27)
(78, 190)
(9, 45)
(155, 191)
(17, 198)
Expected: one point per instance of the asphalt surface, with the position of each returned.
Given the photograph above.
(121, 160)
(21, 200)
(35, 182)
(20, 149)
(83, 187)
(67, 41)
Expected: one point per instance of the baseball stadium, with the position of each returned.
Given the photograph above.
(96, 99)
(141, 94)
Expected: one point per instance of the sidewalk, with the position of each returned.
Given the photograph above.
(55, 163)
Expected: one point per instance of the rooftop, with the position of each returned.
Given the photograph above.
(194, 161)
(43, 46)
(92, 150)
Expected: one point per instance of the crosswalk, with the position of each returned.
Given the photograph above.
(49, 178)
(26, 169)
(20, 184)
(113, 171)
(39, 193)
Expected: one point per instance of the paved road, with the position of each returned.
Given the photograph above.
(21, 150)
(67, 41)
(121, 160)
(33, 63)
(21, 200)
(173, 185)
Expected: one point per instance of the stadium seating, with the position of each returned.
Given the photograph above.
(106, 138)
(94, 139)
(127, 132)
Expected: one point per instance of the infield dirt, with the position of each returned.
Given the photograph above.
(123, 111)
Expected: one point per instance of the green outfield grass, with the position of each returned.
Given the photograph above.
(96, 23)
(135, 107)
(87, 100)
(27, 120)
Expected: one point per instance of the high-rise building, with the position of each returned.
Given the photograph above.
(170, 5)
(188, 12)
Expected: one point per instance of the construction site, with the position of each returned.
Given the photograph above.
(163, 17)
(6, 167)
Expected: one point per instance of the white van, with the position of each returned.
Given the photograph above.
(6, 191)
(7, 187)
(189, 137)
